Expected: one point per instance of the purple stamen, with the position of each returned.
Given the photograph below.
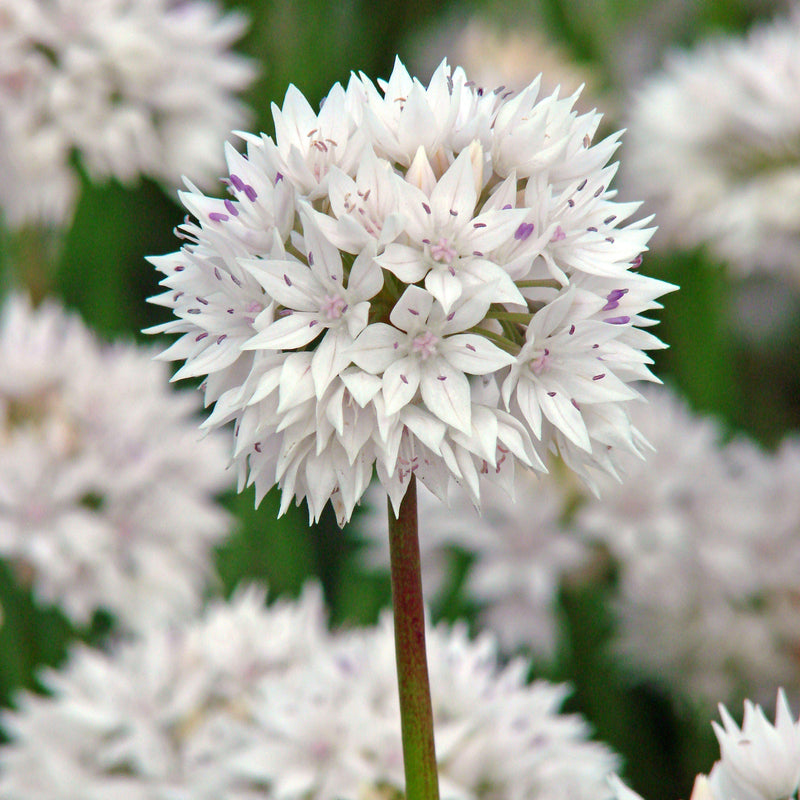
(179, 268)
(286, 279)
(471, 347)
(599, 377)
(231, 207)
(237, 182)
(453, 213)
(221, 339)
(571, 329)
(404, 379)
(478, 224)
(551, 394)
(250, 192)
(441, 377)
(201, 336)
(215, 216)
(617, 320)
(427, 208)
(524, 231)
(202, 300)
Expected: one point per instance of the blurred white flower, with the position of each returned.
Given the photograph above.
(132, 87)
(704, 534)
(106, 494)
(713, 145)
(262, 702)
(423, 280)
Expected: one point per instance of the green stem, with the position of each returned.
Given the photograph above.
(501, 341)
(510, 316)
(416, 712)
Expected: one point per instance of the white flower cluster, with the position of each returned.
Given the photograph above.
(253, 702)
(106, 496)
(376, 255)
(702, 535)
(759, 761)
(133, 87)
(520, 551)
(705, 539)
(713, 145)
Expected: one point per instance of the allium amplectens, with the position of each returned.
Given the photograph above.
(128, 87)
(432, 281)
(251, 702)
(106, 494)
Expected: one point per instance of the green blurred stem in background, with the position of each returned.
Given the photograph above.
(29, 258)
(416, 713)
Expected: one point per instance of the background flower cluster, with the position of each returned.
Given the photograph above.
(669, 592)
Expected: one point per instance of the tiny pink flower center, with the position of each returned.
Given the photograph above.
(539, 364)
(333, 307)
(443, 251)
(425, 344)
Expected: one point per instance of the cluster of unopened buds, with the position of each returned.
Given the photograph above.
(430, 280)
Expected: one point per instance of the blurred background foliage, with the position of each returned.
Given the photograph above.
(752, 385)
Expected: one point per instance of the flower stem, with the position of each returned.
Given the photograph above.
(416, 713)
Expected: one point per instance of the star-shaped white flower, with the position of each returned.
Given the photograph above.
(424, 350)
(316, 296)
(446, 244)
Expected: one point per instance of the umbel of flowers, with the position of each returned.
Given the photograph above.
(432, 281)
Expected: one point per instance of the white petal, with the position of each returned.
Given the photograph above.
(445, 391)
(407, 263)
(330, 358)
(361, 385)
(455, 192)
(400, 382)
(376, 347)
(287, 333)
(291, 283)
(412, 309)
(444, 286)
(558, 408)
(475, 354)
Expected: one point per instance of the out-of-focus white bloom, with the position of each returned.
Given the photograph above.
(759, 761)
(263, 702)
(133, 87)
(521, 550)
(106, 494)
(423, 280)
(705, 538)
(713, 144)
(494, 54)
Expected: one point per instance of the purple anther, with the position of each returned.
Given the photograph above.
(404, 379)
(551, 394)
(616, 294)
(598, 377)
(571, 329)
(310, 259)
(222, 338)
(571, 203)
(237, 182)
(286, 279)
(507, 206)
(250, 192)
(257, 447)
(396, 345)
(599, 191)
(231, 311)
(215, 216)
(201, 336)
(524, 231)
(441, 377)
(236, 280)
(617, 320)
(202, 301)
(477, 253)
(426, 241)
(574, 402)
(453, 212)
(582, 185)
(192, 310)
(592, 229)
(278, 177)
(216, 274)
(427, 208)
(478, 224)
(610, 239)
(471, 347)
(609, 220)
(451, 316)
(313, 323)
(179, 268)
(413, 311)
(637, 262)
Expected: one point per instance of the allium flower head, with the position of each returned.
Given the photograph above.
(713, 144)
(106, 494)
(425, 280)
(759, 761)
(249, 702)
(134, 87)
